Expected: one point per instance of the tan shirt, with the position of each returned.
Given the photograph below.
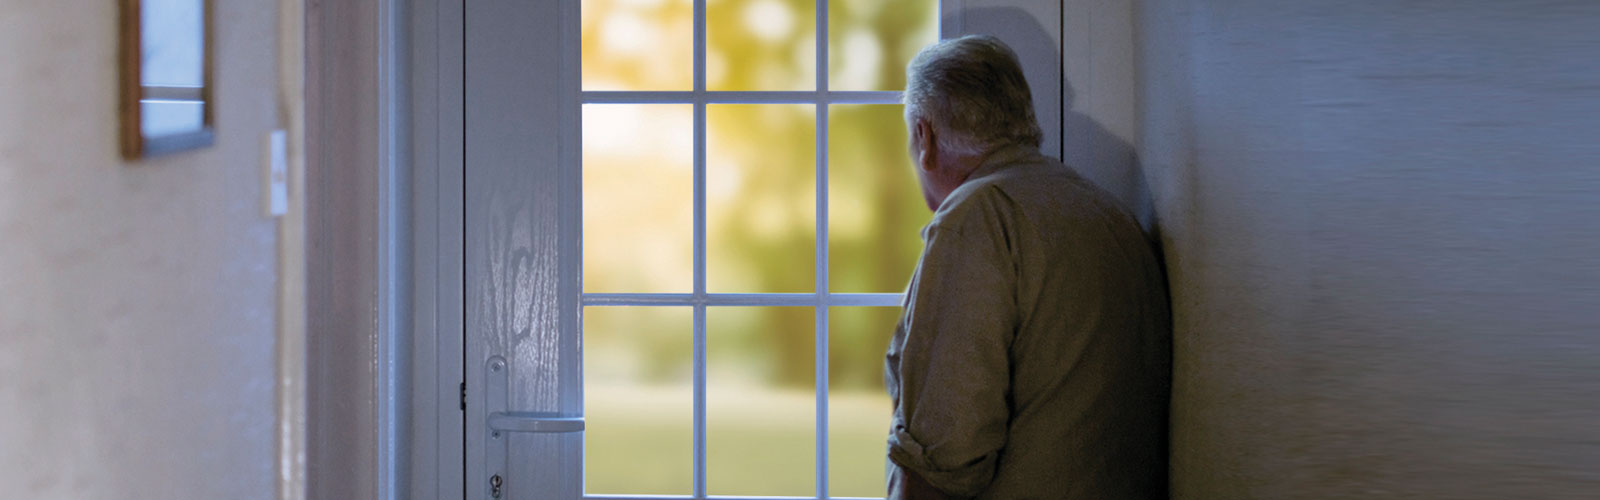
(1032, 359)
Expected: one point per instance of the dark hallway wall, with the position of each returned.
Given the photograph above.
(1381, 223)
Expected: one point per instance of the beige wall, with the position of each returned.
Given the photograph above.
(138, 301)
(1381, 224)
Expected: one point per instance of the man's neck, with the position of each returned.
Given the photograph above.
(961, 167)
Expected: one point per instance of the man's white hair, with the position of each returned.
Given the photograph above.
(972, 91)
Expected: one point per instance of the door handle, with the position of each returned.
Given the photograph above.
(507, 421)
(501, 421)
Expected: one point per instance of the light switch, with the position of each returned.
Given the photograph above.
(277, 175)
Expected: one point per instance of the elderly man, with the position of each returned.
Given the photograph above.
(1032, 359)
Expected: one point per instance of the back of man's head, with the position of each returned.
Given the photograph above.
(971, 89)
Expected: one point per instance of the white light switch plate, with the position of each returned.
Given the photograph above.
(277, 175)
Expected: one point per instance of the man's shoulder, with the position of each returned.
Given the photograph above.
(1042, 193)
(974, 203)
(1006, 188)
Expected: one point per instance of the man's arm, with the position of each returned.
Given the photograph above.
(952, 416)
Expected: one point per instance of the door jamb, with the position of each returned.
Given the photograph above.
(434, 465)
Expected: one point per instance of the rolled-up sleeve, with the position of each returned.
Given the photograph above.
(951, 413)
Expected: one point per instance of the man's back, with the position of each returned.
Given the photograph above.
(1039, 288)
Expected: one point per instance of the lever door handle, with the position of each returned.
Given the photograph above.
(533, 422)
(501, 421)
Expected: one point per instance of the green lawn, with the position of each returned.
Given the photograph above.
(759, 442)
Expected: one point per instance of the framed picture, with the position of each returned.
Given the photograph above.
(166, 99)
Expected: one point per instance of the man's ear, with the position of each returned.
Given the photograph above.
(927, 145)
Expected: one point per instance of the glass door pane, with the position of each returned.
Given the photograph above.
(761, 45)
(870, 42)
(875, 206)
(638, 198)
(638, 400)
(761, 205)
(761, 401)
(638, 45)
(858, 406)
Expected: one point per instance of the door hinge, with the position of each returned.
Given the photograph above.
(463, 396)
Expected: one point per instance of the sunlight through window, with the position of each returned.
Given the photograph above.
(747, 232)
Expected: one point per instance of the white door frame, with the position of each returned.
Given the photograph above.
(352, 387)
(434, 458)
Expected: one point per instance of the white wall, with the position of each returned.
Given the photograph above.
(137, 301)
(1382, 222)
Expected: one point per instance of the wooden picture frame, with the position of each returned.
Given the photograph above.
(165, 61)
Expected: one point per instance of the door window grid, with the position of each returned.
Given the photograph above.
(821, 298)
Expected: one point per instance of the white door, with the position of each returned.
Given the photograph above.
(687, 224)
(521, 354)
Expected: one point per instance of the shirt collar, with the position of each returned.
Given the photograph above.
(1004, 157)
(998, 160)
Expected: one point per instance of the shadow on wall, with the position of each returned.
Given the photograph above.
(1083, 143)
